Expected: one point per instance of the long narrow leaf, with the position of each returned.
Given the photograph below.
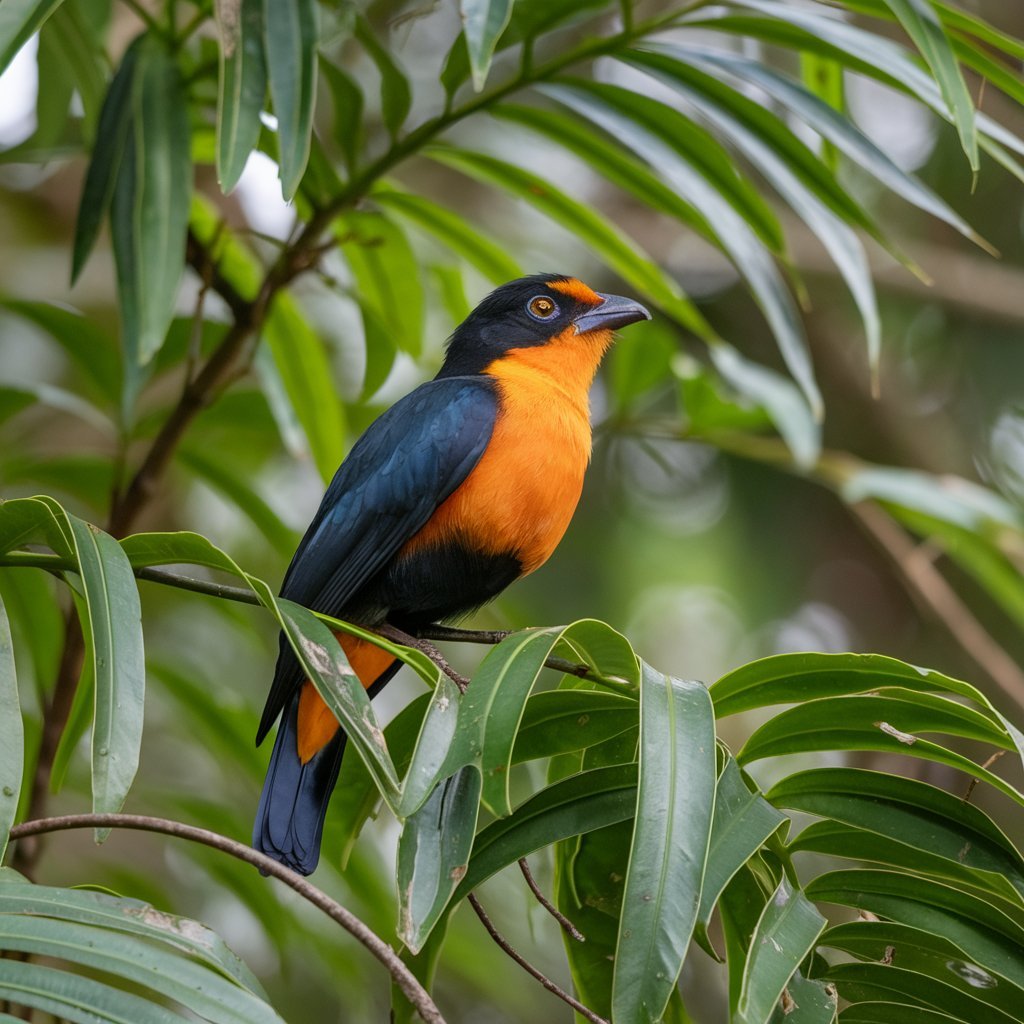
(12, 734)
(923, 26)
(292, 32)
(19, 21)
(483, 22)
(433, 854)
(242, 89)
(672, 832)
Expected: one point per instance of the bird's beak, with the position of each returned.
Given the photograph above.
(613, 313)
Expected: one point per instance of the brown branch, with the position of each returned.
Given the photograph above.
(927, 583)
(399, 636)
(567, 925)
(360, 931)
(503, 943)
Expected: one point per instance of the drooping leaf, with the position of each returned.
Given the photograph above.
(19, 21)
(784, 935)
(105, 165)
(922, 24)
(291, 34)
(483, 22)
(242, 90)
(150, 208)
(433, 854)
(742, 822)
(933, 825)
(395, 93)
(347, 102)
(448, 227)
(305, 369)
(115, 624)
(12, 734)
(386, 274)
(668, 853)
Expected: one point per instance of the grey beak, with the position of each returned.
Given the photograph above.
(614, 312)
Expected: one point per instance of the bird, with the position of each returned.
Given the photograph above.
(460, 488)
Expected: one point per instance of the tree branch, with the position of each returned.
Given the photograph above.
(360, 931)
(582, 1010)
(928, 584)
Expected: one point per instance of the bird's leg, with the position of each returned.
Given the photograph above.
(399, 636)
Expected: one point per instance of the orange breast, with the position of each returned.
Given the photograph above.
(522, 493)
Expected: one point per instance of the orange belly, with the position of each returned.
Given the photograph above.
(522, 493)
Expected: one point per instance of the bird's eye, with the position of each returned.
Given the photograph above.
(540, 307)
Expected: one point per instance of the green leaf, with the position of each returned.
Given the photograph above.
(242, 89)
(923, 953)
(607, 242)
(922, 24)
(79, 1000)
(150, 209)
(76, 36)
(778, 396)
(128, 959)
(986, 934)
(386, 274)
(932, 825)
(105, 166)
(559, 721)
(115, 624)
(433, 854)
(292, 32)
(785, 934)
(743, 821)
(12, 734)
(89, 347)
(886, 723)
(81, 715)
(483, 22)
(448, 227)
(355, 802)
(838, 130)
(583, 802)
(789, 678)
(869, 982)
(492, 708)
(395, 93)
(36, 623)
(956, 500)
(347, 102)
(19, 21)
(811, 1002)
(697, 147)
(672, 831)
(305, 369)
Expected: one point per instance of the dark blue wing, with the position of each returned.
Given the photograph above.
(405, 465)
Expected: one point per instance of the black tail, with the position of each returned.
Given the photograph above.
(290, 817)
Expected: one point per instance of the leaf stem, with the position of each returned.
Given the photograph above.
(404, 978)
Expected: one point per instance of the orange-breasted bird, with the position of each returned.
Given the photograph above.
(463, 486)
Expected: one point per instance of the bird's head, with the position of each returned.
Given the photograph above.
(539, 317)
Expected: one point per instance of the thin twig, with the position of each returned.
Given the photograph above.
(974, 782)
(360, 931)
(399, 636)
(582, 1010)
(569, 927)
